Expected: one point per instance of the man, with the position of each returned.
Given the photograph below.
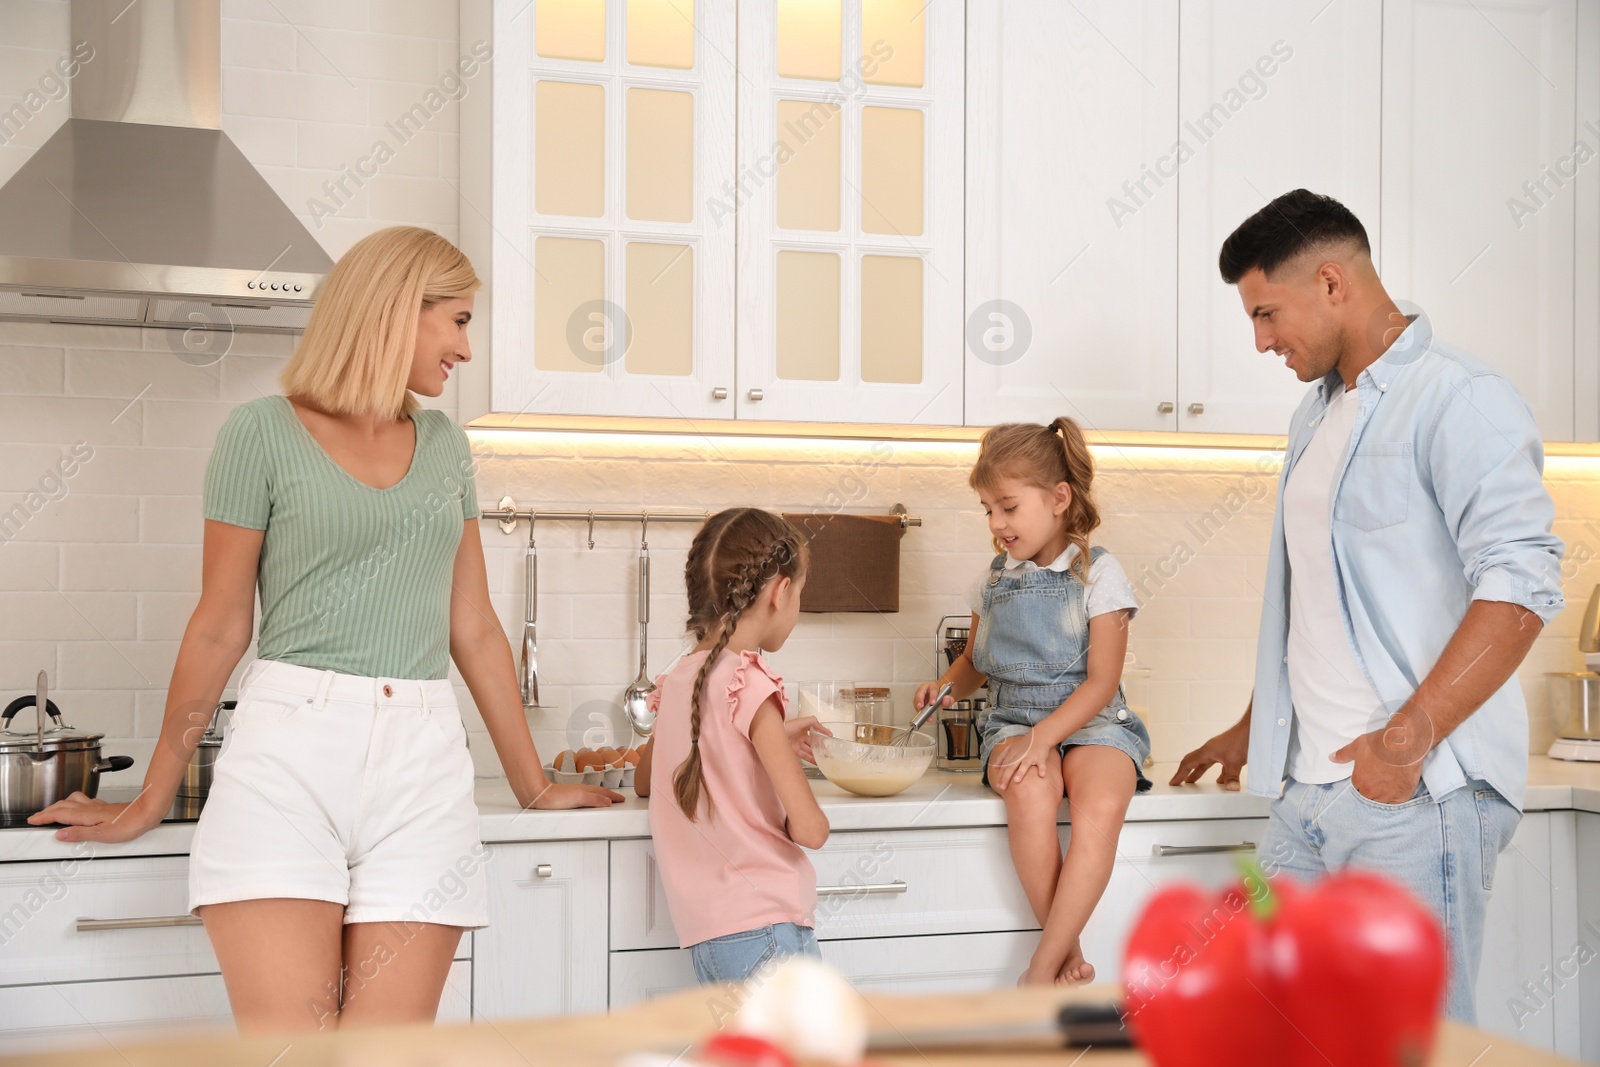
(1411, 568)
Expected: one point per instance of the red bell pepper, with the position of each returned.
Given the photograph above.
(1349, 972)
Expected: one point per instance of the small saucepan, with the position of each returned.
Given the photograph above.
(41, 766)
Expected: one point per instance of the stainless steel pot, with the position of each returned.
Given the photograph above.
(196, 782)
(1574, 704)
(41, 766)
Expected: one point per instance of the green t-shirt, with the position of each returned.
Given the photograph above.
(353, 579)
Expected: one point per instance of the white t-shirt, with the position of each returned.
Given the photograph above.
(1333, 701)
(1108, 588)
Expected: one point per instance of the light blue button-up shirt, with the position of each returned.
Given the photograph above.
(1439, 501)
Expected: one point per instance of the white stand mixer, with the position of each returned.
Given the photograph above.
(1574, 698)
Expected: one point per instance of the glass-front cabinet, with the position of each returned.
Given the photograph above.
(690, 214)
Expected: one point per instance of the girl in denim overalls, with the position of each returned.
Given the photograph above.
(1050, 629)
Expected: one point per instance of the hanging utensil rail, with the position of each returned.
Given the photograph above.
(507, 513)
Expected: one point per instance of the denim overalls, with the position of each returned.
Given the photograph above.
(1033, 643)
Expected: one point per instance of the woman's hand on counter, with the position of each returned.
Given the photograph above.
(87, 819)
(555, 797)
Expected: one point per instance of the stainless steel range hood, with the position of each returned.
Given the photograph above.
(139, 210)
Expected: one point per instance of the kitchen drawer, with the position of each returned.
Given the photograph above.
(87, 920)
(871, 884)
(106, 1015)
(101, 1016)
(944, 963)
(43, 906)
(1151, 856)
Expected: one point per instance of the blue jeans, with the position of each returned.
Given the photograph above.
(736, 957)
(1443, 852)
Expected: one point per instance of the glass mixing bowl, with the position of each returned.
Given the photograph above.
(867, 763)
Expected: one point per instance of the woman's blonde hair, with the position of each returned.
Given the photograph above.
(1044, 456)
(355, 355)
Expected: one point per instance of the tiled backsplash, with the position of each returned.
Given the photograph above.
(101, 564)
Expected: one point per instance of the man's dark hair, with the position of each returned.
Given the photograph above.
(1295, 222)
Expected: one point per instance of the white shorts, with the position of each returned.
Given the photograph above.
(354, 790)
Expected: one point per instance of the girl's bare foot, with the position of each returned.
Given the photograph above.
(1076, 970)
(1029, 978)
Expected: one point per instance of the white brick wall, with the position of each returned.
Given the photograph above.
(100, 581)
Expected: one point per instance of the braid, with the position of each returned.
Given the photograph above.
(689, 783)
(735, 554)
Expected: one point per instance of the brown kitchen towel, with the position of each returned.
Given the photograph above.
(855, 562)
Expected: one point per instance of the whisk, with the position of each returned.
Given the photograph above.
(924, 715)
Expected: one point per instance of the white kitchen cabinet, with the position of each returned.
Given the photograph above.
(1072, 216)
(544, 952)
(81, 920)
(1517, 943)
(1479, 132)
(889, 900)
(1588, 935)
(1272, 96)
(875, 883)
(942, 963)
(850, 211)
(101, 1016)
(597, 156)
(1150, 857)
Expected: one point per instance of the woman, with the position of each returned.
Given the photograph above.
(337, 861)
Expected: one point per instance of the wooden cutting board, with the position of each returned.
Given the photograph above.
(670, 1024)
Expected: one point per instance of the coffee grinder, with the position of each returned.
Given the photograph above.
(958, 724)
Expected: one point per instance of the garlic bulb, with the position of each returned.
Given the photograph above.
(807, 1007)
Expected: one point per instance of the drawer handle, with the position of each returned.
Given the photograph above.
(152, 922)
(843, 890)
(1202, 850)
(544, 870)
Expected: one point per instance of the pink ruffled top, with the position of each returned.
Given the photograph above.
(736, 868)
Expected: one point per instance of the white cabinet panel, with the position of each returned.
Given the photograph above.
(1072, 216)
(1207, 853)
(1588, 886)
(804, 354)
(544, 952)
(1273, 96)
(1517, 937)
(1479, 125)
(41, 905)
(560, 339)
(872, 884)
(947, 963)
(102, 1016)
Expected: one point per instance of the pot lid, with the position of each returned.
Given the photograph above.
(58, 735)
(56, 739)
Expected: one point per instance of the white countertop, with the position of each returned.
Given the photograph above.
(939, 799)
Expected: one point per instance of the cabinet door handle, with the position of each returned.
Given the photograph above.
(544, 870)
(756, 394)
(719, 393)
(846, 890)
(1166, 407)
(151, 922)
(1197, 409)
(1202, 850)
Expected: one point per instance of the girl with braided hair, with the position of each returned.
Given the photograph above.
(1049, 632)
(730, 832)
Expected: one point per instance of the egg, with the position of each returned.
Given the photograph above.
(807, 1007)
(630, 757)
(564, 761)
(609, 757)
(585, 759)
